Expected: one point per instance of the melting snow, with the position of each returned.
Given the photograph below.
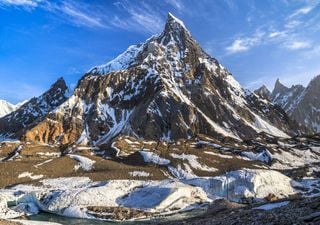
(264, 156)
(150, 157)
(28, 174)
(84, 162)
(272, 205)
(219, 155)
(139, 174)
(192, 160)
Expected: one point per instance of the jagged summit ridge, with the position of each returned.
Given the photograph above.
(174, 30)
(299, 102)
(174, 20)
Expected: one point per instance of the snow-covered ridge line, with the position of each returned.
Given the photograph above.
(121, 62)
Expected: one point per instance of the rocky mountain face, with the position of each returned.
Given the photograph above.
(307, 110)
(286, 97)
(301, 103)
(6, 108)
(33, 111)
(263, 92)
(166, 88)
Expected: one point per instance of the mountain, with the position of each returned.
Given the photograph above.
(166, 88)
(263, 92)
(286, 97)
(170, 81)
(33, 111)
(6, 108)
(301, 103)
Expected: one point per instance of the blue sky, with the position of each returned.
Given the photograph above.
(258, 41)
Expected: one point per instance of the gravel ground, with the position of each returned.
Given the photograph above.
(298, 211)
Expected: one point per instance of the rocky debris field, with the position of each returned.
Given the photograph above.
(294, 211)
(139, 179)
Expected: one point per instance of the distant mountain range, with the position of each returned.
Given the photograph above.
(167, 88)
(301, 103)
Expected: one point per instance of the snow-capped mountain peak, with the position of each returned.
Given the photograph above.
(6, 108)
(178, 89)
(174, 20)
(175, 32)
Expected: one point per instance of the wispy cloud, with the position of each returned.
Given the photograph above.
(302, 11)
(295, 45)
(286, 33)
(76, 13)
(23, 3)
(277, 34)
(245, 43)
(177, 4)
(142, 17)
(239, 45)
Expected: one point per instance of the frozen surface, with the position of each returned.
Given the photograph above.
(193, 162)
(272, 205)
(30, 222)
(30, 175)
(150, 157)
(84, 162)
(139, 174)
(71, 196)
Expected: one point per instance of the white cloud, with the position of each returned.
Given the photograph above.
(296, 45)
(80, 17)
(177, 4)
(277, 34)
(71, 11)
(238, 45)
(244, 44)
(292, 24)
(24, 3)
(140, 18)
(302, 11)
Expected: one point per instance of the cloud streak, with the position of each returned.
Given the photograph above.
(75, 13)
(143, 18)
(139, 18)
(23, 3)
(287, 35)
(295, 45)
(245, 43)
(302, 11)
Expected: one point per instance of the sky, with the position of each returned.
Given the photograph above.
(258, 41)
